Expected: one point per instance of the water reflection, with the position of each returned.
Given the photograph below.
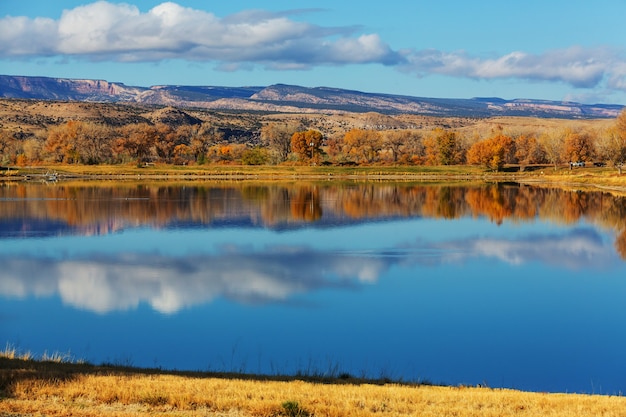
(457, 284)
(104, 208)
(168, 284)
(104, 281)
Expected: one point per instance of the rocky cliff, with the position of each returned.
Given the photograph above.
(288, 98)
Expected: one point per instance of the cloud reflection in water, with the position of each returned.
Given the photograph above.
(168, 284)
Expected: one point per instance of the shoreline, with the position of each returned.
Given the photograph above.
(604, 179)
(56, 388)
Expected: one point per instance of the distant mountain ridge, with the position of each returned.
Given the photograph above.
(290, 98)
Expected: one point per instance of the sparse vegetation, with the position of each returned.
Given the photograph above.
(30, 387)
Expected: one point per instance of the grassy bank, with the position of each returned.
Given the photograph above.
(235, 171)
(542, 173)
(54, 388)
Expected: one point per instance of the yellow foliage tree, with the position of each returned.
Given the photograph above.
(611, 145)
(443, 147)
(362, 145)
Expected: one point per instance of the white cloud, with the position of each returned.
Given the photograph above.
(20, 36)
(104, 31)
(121, 32)
(579, 67)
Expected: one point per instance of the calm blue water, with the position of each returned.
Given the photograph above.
(501, 285)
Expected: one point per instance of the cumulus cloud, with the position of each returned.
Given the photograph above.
(121, 32)
(276, 40)
(580, 67)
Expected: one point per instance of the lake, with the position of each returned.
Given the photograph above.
(504, 285)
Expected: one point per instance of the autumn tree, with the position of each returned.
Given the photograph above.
(79, 142)
(492, 153)
(32, 149)
(62, 143)
(307, 144)
(94, 143)
(404, 145)
(137, 142)
(200, 138)
(577, 146)
(9, 147)
(165, 141)
(362, 145)
(611, 145)
(277, 136)
(226, 152)
(553, 143)
(413, 151)
(443, 147)
(334, 147)
(528, 150)
(182, 154)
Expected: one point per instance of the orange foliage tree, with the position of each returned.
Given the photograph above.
(182, 154)
(79, 142)
(307, 144)
(492, 153)
(528, 150)
(577, 147)
(62, 143)
(137, 142)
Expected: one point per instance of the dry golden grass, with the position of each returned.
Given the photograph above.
(53, 389)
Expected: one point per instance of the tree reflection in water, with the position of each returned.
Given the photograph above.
(97, 208)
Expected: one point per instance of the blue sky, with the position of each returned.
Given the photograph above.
(558, 50)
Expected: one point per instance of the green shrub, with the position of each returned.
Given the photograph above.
(293, 409)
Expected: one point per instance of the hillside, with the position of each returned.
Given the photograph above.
(290, 99)
(24, 118)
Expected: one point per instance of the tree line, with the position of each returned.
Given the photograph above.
(79, 142)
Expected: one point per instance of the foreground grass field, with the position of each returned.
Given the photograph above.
(55, 388)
